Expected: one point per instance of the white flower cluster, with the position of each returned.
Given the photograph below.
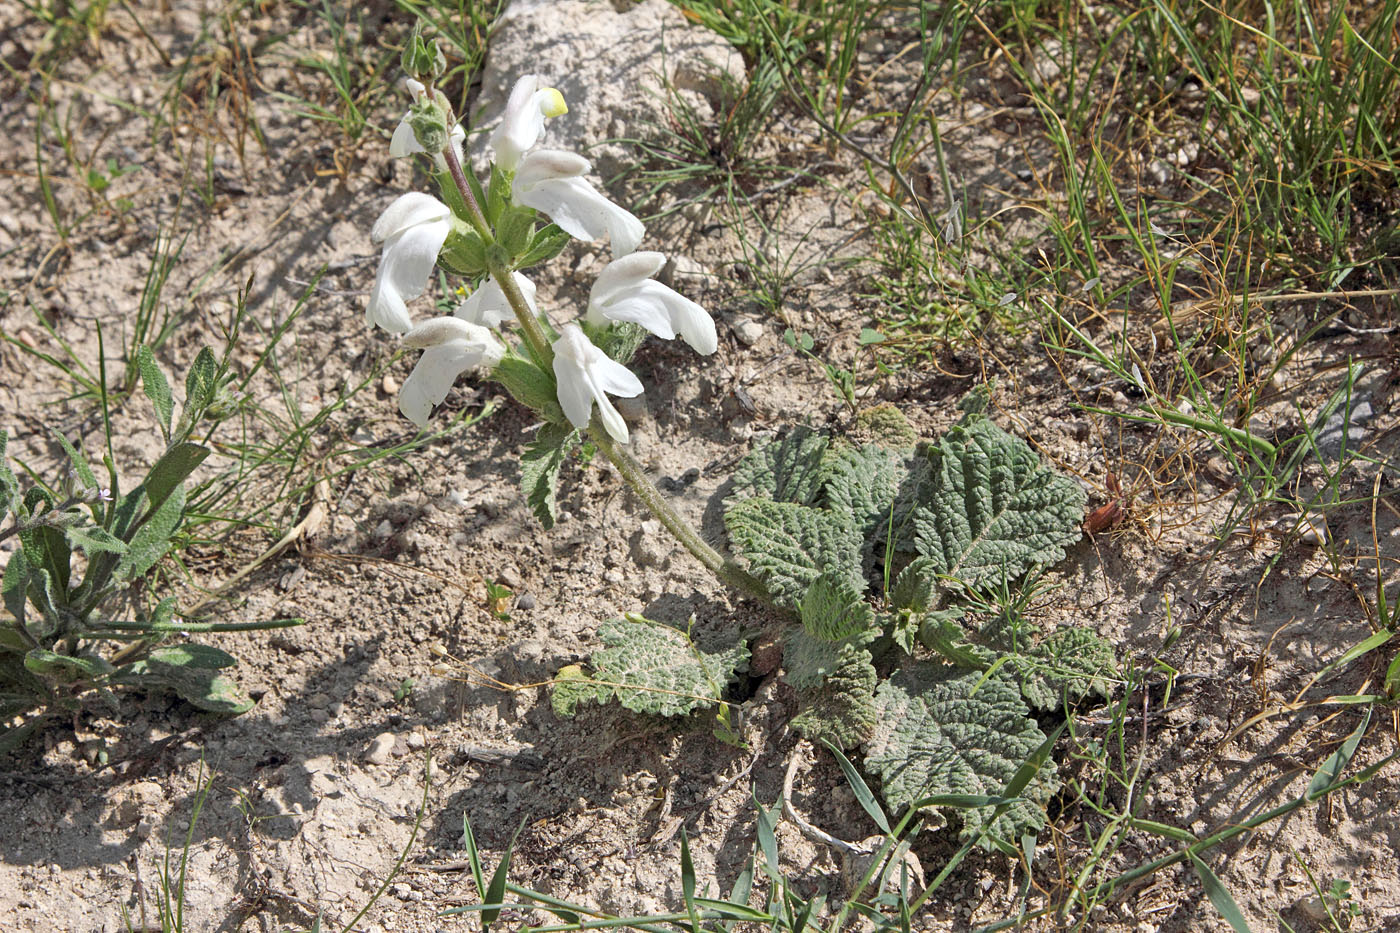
(414, 228)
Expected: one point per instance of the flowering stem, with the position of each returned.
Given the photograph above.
(529, 325)
(454, 168)
(725, 569)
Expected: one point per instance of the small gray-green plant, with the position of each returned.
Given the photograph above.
(77, 623)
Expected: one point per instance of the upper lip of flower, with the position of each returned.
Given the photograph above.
(587, 375)
(412, 230)
(551, 181)
(625, 291)
(530, 102)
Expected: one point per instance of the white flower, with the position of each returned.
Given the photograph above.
(549, 180)
(450, 347)
(625, 291)
(487, 305)
(585, 374)
(405, 143)
(412, 230)
(530, 102)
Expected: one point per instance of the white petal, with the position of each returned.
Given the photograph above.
(635, 309)
(582, 212)
(612, 420)
(621, 273)
(442, 330)
(407, 210)
(546, 164)
(575, 393)
(416, 90)
(452, 347)
(585, 374)
(520, 126)
(432, 378)
(410, 255)
(487, 305)
(691, 321)
(386, 306)
(614, 378)
(403, 143)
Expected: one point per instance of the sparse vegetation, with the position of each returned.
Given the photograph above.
(1169, 233)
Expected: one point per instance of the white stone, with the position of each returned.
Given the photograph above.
(607, 64)
(748, 331)
(380, 748)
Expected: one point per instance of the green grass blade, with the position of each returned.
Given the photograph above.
(1219, 895)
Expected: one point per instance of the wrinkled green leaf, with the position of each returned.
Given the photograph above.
(92, 539)
(539, 469)
(530, 386)
(46, 546)
(14, 586)
(515, 230)
(571, 687)
(916, 587)
(864, 483)
(842, 709)
(787, 546)
(201, 385)
(465, 253)
(886, 426)
(9, 485)
(947, 731)
(833, 609)
(789, 470)
(201, 687)
(1067, 666)
(549, 242)
(619, 341)
(991, 509)
(808, 661)
(653, 667)
(941, 632)
(81, 470)
(497, 194)
(901, 627)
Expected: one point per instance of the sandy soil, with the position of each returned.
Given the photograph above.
(313, 795)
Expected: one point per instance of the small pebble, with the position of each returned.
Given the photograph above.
(389, 384)
(380, 748)
(748, 331)
(526, 602)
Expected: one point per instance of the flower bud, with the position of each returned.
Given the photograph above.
(422, 60)
(429, 127)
